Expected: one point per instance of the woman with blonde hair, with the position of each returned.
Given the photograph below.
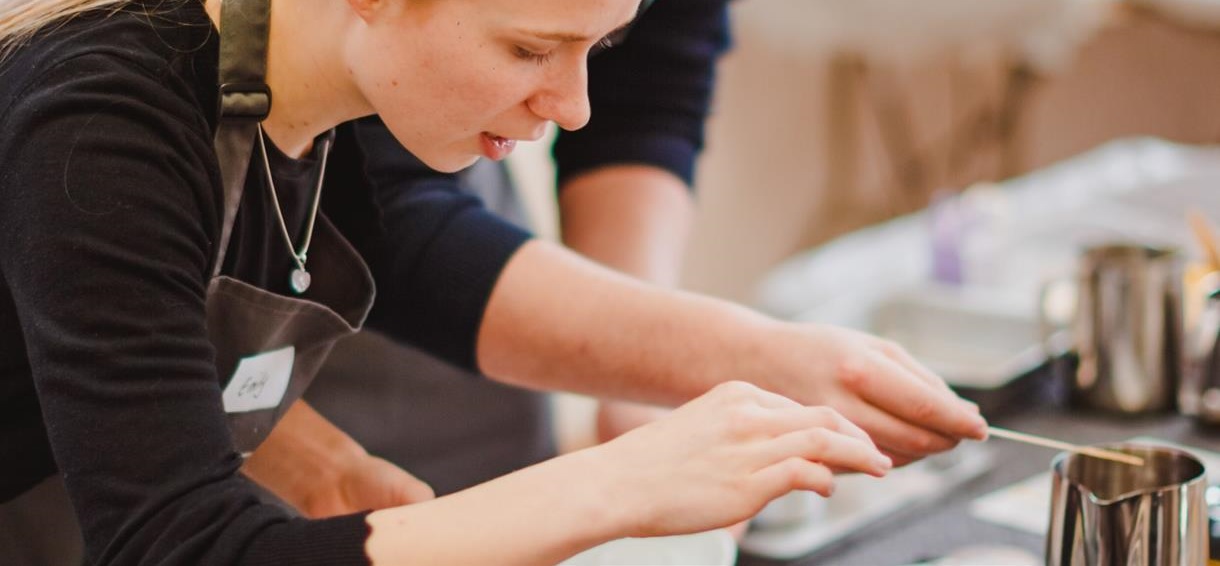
(172, 272)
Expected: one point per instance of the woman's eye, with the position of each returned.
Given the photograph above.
(534, 56)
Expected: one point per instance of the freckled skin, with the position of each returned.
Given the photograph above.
(463, 63)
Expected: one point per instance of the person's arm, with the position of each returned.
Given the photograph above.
(710, 463)
(633, 218)
(557, 321)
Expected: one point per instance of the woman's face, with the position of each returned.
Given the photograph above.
(458, 79)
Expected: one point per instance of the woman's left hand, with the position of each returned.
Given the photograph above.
(368, 483)
(321, 471)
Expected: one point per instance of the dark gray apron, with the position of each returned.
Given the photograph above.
(274, 344)
(290, 336)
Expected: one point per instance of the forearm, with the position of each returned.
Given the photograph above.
(558, 321)
(710, 463)
(539, 515)
(633, 218)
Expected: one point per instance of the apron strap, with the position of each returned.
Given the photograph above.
(244, 100)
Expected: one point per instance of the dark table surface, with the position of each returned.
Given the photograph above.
(937, 528)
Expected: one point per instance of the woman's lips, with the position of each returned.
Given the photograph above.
(496, 147)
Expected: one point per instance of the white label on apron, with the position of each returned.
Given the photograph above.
(260, 381)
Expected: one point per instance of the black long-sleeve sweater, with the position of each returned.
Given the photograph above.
(109, 206)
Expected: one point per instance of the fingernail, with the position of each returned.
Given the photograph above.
(883, 464)
(980, 428)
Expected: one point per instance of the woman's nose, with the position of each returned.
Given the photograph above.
(564, 99)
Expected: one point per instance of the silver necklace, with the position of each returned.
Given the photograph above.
(299, 279)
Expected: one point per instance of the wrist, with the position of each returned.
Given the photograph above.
(746, 349)
(772, 344)
(542, 514)
(606, 501)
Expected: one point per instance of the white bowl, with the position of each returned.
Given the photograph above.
(711, 548)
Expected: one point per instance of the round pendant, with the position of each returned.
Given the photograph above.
(300, 281)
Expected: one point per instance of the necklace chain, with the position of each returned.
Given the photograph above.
(299, 281)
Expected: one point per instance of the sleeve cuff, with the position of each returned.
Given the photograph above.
(306, 542)
(672, 153)
(450, 285)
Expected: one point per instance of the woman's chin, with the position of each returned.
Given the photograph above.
(449, 163)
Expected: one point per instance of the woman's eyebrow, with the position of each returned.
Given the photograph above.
(569, 37)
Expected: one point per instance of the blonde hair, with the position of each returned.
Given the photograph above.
(21, 19)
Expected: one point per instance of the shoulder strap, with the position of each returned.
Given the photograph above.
(243, 101)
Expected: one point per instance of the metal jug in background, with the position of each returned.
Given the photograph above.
(1127, 329)
(1200, 393)
(1106, 513)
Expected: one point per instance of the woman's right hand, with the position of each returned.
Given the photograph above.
(718, 459)
(713, 462)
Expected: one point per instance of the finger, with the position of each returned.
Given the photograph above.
(738, 531)
(416, 491)
(772, 400)
(899, 355)
(893, 389)
(399, 486)
(906, 360)
(829, 448)
(321, 508)
(896, 461)
(901, 440)
(783, 421)
(899, 460)
(792, 474)
(736, 391)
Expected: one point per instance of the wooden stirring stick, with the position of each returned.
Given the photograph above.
(1049, 443)
(1205, 236)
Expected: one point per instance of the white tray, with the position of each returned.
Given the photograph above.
(859, 500)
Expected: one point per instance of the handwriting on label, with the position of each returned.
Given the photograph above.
(260, 381)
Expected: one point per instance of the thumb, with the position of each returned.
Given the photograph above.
(414, 490)
(403, 488)
(378, 484)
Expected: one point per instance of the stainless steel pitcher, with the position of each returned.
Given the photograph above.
(1127, 331)
(1106, 513)
(1200, 392)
